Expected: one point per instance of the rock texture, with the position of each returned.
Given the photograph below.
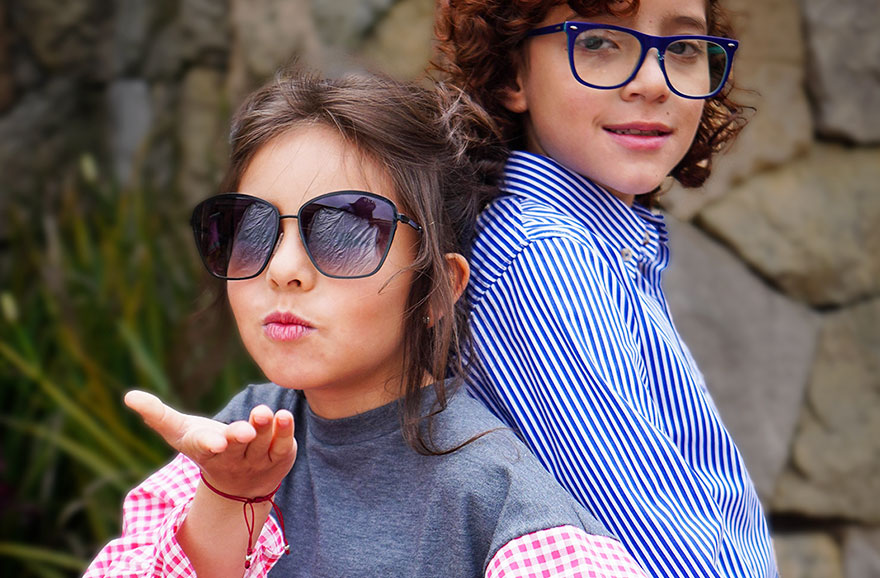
(267, 34)
(397, 45)
(807, 555)
(835, 470)
(201, 134)
(40, 126)
(809, 227)
(130, 120)
(844, 59)
(861, 552)
(63, 36)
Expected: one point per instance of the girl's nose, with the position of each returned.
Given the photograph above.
(649, 81)
(290, 266)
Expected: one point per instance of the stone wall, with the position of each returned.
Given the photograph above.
(775, 282)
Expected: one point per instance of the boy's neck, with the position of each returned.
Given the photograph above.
(626, 199)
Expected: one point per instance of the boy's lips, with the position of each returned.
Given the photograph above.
(642, 136)
(639, 129)
(285, 326)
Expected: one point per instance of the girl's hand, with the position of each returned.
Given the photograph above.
(244, 458)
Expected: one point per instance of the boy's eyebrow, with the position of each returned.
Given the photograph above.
(675, 20)
(683, 21)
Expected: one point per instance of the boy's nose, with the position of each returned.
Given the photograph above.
(649, 81)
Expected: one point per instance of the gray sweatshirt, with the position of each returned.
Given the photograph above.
(360, 502)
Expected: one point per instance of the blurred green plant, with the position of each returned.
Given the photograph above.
(98, 294)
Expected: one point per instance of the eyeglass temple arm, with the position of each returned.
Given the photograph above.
(552, 29)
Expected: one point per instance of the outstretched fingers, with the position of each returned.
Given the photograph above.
(166, 421)
(195, 436)
(241, 458)
(260, 420)
(283, 446)
(274, 434)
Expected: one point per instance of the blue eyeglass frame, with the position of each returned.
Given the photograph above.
(572, 29)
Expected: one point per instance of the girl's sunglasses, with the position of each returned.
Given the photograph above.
(346, 234)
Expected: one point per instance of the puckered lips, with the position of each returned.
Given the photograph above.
(285, 326)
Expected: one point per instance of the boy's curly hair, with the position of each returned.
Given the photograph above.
(480, 41)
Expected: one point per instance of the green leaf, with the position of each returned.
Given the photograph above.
(143, 360)
(74, 411)
(44, 555)
(81, 453)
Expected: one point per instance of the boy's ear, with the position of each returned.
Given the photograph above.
(514, 98)
(461, 272)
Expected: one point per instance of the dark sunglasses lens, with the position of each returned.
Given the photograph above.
(235, 235)
(347, 234)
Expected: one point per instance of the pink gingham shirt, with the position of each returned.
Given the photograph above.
(153, 512)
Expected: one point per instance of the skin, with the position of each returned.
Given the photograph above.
(345, 351)
(347, 354)
(575, 124)
(243, 459)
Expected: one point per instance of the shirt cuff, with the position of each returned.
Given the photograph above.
(172, 562)
(268, 549)
(564, 551)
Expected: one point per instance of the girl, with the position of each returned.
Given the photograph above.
(343, 271)
(601, 101)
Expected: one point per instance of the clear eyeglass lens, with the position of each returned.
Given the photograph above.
(605, 57)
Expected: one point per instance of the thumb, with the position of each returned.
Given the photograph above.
(165, 420)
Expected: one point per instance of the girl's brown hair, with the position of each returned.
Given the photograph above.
(442, 155)
(480, 50)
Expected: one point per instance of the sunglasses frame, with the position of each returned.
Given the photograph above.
(398, 217)
(573, 29)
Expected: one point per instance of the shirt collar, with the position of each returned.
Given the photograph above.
(371, 424)
(541, 178)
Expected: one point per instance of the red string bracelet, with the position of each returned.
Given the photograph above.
(249, 520)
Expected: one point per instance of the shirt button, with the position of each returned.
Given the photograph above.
(626, 254)
(646, 239)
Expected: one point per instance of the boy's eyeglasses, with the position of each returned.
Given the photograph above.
(346, 234)
(606, 56)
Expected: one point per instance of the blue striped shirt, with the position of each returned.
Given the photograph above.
(578, 352)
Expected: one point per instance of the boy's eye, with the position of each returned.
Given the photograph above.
(592, 42)
(596, 40)
(687, 48)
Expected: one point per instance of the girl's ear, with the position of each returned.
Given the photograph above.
(460, 270)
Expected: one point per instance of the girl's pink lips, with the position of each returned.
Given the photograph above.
(284, 326)
(640, 136)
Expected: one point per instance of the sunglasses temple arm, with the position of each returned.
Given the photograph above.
(406, 220)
